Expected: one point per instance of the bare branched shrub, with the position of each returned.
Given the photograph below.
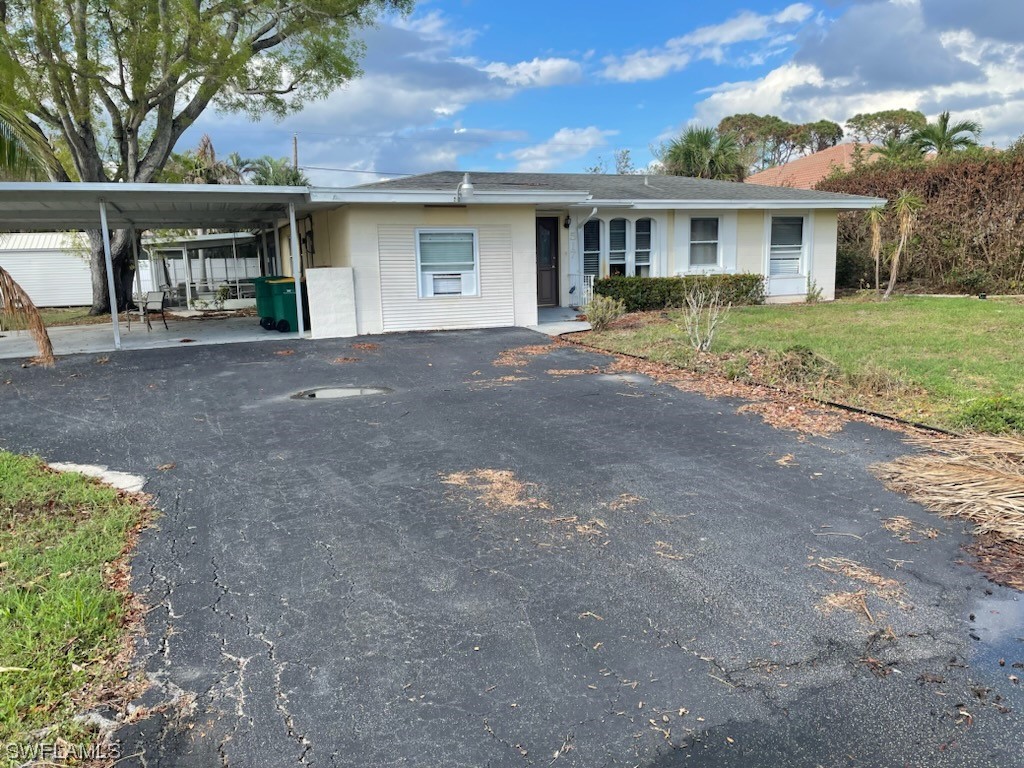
(602, 311)
(702, 312)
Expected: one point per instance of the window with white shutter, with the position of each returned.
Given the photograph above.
(617, 247)
(447, 262)
(642, 248)
(787, 245)
(592, 247)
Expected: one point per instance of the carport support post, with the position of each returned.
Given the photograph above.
(112, 293)
(135, 256)
(296, 268)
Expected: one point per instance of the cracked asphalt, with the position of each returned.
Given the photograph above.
(319, 596)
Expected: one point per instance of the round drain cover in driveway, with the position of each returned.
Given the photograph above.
(338, 393)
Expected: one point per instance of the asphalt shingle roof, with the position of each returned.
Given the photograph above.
(606, 186)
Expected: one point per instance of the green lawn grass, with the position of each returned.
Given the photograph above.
(61, 622)
(961, 359)
(54, 316)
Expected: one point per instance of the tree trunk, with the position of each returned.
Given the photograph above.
(121, 255)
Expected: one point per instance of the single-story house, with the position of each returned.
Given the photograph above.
(452, 250)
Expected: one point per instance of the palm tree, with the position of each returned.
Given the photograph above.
(875, 217)
(905, 206)
(201, 166)
(25, 154)
(705, 153)
(896, 151)
(276, 172)
(943, 139)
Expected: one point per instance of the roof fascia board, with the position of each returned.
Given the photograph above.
(650, 205)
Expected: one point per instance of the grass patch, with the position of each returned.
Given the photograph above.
(948, 361)
(54, 316)
(63, 609)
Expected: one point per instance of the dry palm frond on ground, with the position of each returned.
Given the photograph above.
(17, 309)
(979, 478)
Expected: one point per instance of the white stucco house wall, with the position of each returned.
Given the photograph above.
(451, 250)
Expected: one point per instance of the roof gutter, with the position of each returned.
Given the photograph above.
(847, 203)
(442, 197)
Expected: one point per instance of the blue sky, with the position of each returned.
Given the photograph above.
(555, 85)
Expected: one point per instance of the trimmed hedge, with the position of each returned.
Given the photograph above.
(645, 293)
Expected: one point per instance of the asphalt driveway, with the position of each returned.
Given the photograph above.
(320, 596)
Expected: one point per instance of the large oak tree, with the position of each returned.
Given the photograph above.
(109, 86)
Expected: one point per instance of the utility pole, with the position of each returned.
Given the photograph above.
(295, 151)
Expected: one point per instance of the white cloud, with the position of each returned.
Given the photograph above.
(538, 73)
(886, 55)
(566, 144)
(402, 115)
(710, 42)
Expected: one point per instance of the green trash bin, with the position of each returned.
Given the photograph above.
(265, 301)
(285, 315)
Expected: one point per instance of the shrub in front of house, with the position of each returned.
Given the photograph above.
(647, 293)
(602, 311)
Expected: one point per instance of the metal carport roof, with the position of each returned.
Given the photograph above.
(57, 205)
(49, 206)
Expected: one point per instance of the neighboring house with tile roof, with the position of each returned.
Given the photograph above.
(805, 172)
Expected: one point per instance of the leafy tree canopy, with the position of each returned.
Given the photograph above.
(773, 141)
(110, 86)
(876, 127)
(119, 81)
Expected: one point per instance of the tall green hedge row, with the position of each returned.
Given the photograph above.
(645, 293)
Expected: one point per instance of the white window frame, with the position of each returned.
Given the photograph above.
(804, 266)
(658, 246)
(425, 280)
(631, 265)
(717, 266)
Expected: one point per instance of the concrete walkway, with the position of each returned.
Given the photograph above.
(554, 321)
(99, 338)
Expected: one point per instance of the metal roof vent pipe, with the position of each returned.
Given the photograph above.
(465, 189)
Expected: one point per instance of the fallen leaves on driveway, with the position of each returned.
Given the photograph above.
(881, 586)
(501, 381)
(905, 529)
(496, 488)
(799, 418)
(519, 356)
(851, 602)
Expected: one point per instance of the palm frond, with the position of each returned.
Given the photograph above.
(17, 308)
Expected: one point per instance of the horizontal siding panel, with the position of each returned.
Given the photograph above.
(404, 310)
(51, 278)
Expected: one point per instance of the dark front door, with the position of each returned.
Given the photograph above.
(547, 261)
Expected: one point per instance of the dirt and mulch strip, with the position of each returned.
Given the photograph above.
(68, 619)
(778, 408)
(979, 479)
